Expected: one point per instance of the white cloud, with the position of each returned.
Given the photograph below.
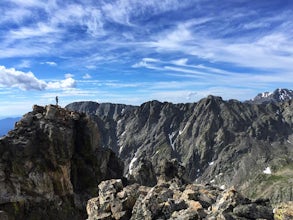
(9, 77)
(68, 75)
(180, 62)
(87, 76)
(24, 64)
(50, 63)
(29, 3)
(26, 81)
(39, 30)
(63, 84)
(272, 50)
(123, 11)
(147, 63)
(184, 70)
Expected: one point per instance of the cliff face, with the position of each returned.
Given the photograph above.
(222, 142)
(51, 164)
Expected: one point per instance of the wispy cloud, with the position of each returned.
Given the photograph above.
(50, 63)
(180, 62)
(24, 64)
(68, 75)
(86, 76)
(155, 49)
(147, 63)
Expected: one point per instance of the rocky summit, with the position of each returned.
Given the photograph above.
(279, 95)
(51, 164)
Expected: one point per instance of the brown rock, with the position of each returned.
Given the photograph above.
(284, 211)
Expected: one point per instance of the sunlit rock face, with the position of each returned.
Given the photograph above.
(51, 164)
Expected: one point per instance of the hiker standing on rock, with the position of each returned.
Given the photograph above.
(57, 100)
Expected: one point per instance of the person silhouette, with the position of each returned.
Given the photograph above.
(57, 100)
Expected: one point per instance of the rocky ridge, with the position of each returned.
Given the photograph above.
(226, 143)
(51, 164)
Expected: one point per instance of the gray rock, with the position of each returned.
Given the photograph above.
(50, 166)
(254, 211)
(167, 200)
(228, 143)
(51, 111)
(3, 215)
(143, 173)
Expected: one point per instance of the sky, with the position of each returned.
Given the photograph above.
(133, 51)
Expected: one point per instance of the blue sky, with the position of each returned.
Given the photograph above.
(132, 51)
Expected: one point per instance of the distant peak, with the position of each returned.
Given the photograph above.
(279, 95)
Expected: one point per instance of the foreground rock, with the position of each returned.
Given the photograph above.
(170, 200)
(284, 211)
(173, 197)
(50, 165)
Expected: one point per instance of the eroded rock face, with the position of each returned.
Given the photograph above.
(170, 200)
(51, 164)
(222, 142)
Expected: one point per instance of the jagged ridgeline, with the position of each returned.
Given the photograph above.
(55, 160)
(247, 145)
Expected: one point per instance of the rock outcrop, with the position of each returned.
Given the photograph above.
(221, 142)
(170, 200)
(51, 164)
(284, 211)
(173, 198)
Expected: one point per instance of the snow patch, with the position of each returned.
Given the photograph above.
(171, 141)
(267, 171)
(266, 94)
(120, 149)
(122, 111)
(223, 187)
(212, 181)
(289, 142)
(181, 131)
(211, 163)
(131, 164)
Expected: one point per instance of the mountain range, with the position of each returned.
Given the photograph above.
(279, 95)
(226, 143)
(55, 160)
(6, 124)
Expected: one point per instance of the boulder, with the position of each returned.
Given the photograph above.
(174, 200)
(143, 173)
(284, 211)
